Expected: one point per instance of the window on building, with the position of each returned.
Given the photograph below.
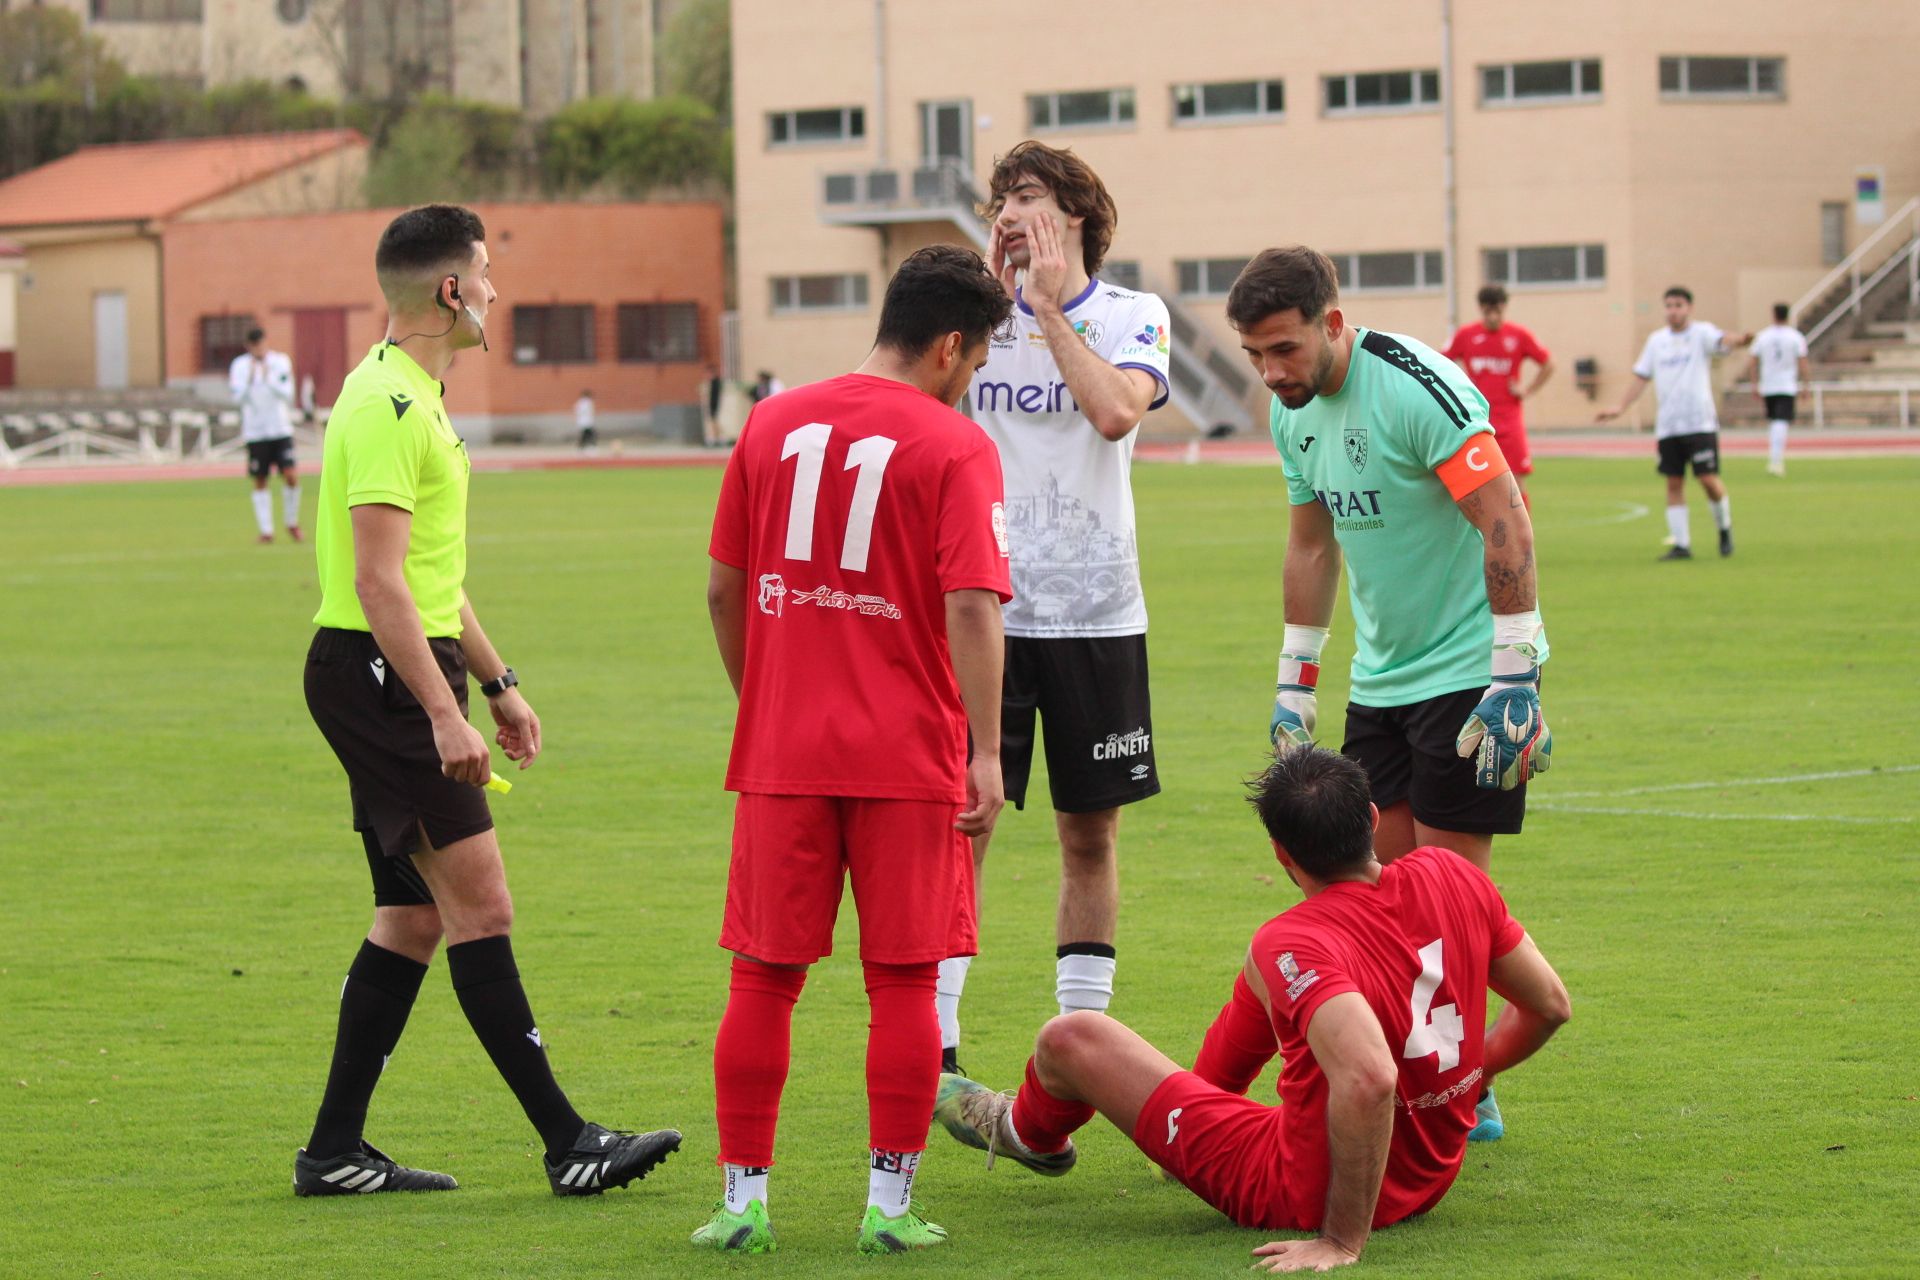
(1124, 272)
(808, 128)
(1411, 271)
(658, 332)
(1208, 277)
(1092, 108)
(1381, 91)
(1697, 77)
(222, 338)
(1572, 81)
(793, 294)
(146, 10)
(1547, 264)
(559, 334)
(1229, 100)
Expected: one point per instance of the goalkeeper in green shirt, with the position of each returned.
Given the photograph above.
(1392, 468)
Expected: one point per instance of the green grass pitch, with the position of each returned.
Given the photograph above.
(1736, 1095)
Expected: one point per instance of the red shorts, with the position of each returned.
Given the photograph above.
(1224, 1148)
(912, 879)
(1512, 439)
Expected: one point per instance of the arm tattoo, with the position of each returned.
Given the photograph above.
(1499, 533)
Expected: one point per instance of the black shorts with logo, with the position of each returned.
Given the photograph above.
(1090, 694)
(1700, 449)
(1408, 754)
(1779, 408)
(266, 456)
(384, 740)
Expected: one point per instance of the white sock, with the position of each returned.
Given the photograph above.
(290, 503)
(1776, 444)
(1723, 512)
(946, 998)
(1083, 982)
(745, 1184)
(1677, 526)
(890, 1180)
(263, 512)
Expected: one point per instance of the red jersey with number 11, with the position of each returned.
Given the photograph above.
(1416, 946)
(854, 505)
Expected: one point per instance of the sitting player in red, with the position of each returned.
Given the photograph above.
(1374, 993)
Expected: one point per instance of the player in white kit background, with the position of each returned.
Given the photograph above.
(1678, 360)
(1778, 367)
(1067, 380)
(262, 384)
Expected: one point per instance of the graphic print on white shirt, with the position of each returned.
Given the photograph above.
(1681, 366)
(1069, 492)
(1780, 348)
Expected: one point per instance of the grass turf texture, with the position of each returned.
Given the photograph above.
(1736, 1094)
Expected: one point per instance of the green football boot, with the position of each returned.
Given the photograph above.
(748, 1232)
(880, 1234)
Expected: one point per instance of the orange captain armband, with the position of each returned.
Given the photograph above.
(1478, 461)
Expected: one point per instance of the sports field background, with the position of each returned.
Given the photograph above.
(1738, 1094)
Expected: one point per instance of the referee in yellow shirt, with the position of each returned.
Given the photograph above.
(386, 681)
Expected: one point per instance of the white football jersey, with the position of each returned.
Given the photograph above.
(1681, 366)
(1780, 348)
(1069, 491)
(263, 390)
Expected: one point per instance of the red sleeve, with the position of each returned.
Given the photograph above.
(1239, 1044)
(1302, 971)
(1505, 931)
(731, 528)
(1454, 349)
(971, 538)
(1534, 351)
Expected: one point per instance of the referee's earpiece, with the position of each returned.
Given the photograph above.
(453, 295)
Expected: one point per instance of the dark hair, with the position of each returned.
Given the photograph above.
(256, 333)
(1781, 311)
(1075, 187)
(1678, 291)
(423, 239)
(938, 290)
(1493, 295)
(1313, 803)
(1293, 278)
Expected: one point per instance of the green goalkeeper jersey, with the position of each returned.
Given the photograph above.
(1415, 567)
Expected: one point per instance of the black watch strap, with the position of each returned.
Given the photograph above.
(500, 684)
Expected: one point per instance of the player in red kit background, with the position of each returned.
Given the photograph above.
(1374, 993)
(859, 565)
(1492, 352)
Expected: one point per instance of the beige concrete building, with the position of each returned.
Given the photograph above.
(537, 55)
(1588, 154)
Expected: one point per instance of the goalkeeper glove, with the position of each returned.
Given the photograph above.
(1507, 734)
(1294, 708)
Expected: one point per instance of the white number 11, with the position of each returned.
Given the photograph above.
(870, 455)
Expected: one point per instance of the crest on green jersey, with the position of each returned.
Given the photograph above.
(1356, 438)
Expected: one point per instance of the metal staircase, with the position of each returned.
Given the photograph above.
(1210, 387)
(1879, 280)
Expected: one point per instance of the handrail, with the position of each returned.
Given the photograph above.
(1861, 289)
(1849, 266)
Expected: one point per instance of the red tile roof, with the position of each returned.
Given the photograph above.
(137, 180)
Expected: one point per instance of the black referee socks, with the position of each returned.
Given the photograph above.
(374, 1004)
(487, 982)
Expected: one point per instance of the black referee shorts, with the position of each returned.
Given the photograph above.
(384, 741)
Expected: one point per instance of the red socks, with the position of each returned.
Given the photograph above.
(1043, 1121)
(903, 1054)
(750, 1057)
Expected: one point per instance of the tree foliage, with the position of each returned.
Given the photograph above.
(696, 56)
(633, 147)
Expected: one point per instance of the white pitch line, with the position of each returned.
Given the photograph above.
(1733, 783)
(1612, 811)
(1630, 511)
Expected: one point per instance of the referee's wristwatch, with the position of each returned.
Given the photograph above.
(500, 684)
